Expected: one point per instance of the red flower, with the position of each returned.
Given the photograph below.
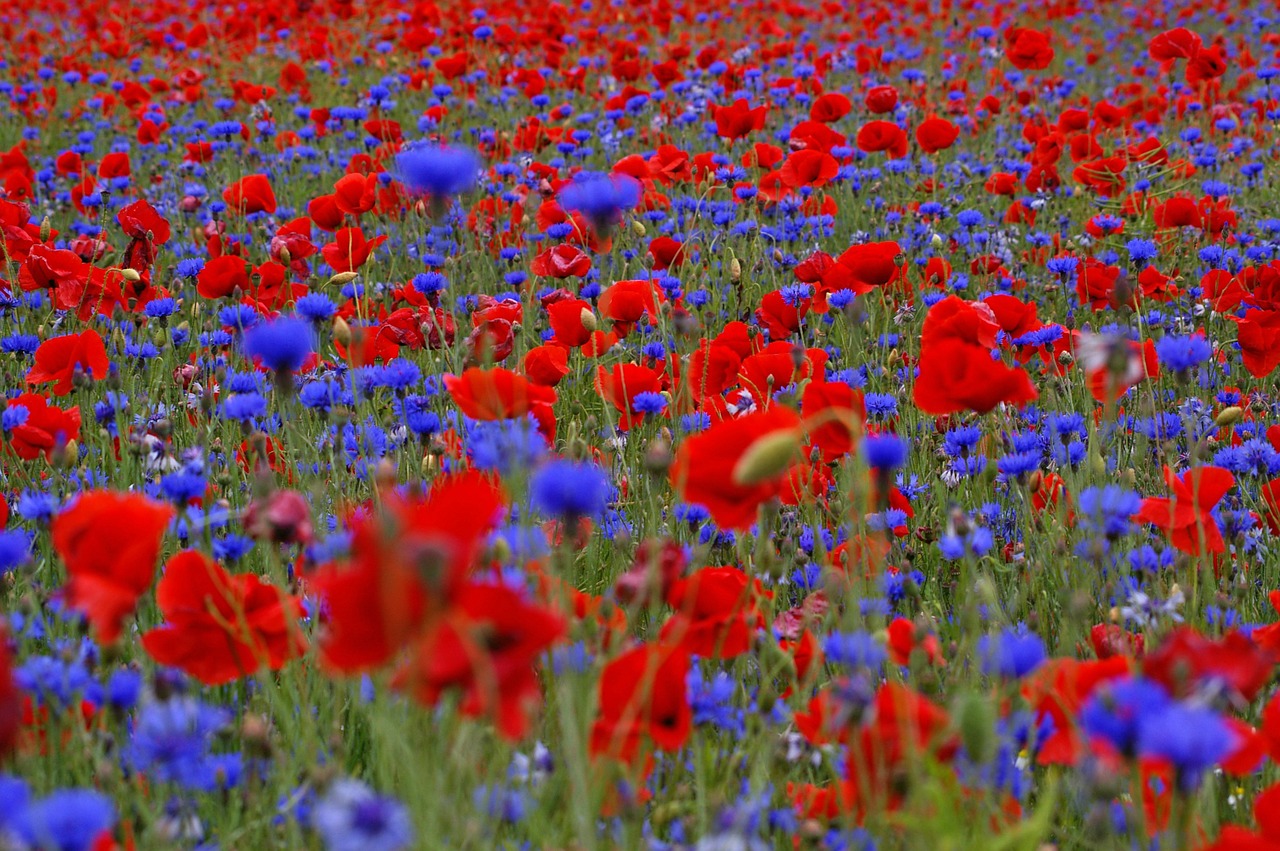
(547, 364)
(1186, 660)
(220, 627)
(500, 394)
(250, 194)
(109, 543)
(407, 561)
(625, 302)
(572, 321)
(1187, 517)
(1259, 337)
(875, 136)
(486, 645)
(10, 701)
(55, 269)
(1179, 43)
(881, 99)
(957, 372)
(44, 429)
(60, 359)
(829, 107)
(834, 413)
(643, 696)
(715, 613)
(936, 134)
(349, 249)
(808, 167)
(1027, 49)
(737, 464)
(738, 120)
(222, 276)
(621, 383)
(562, 261)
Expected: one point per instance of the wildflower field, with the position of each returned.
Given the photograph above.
(640, 425)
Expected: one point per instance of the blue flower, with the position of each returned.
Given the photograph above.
(1012, 654)
(171, 741)
(1183, 354)
(886, 452)
(570, 489)
(1115, 712)
(1192, 738)
(438, 171)
(352, 817)
(600, 198)
(67, 820)
(1107, 510)
(15, 550)
(282, 344)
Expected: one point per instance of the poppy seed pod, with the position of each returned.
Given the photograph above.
(767, 458)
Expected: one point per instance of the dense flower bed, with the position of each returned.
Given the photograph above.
(639, 425)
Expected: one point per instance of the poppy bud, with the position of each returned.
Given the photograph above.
(735, 270)
(977, 727)
(343, 278)
(341, 331)
(589, 320)
(46, 229)
(285, 257)
(767, 458)
(936, 241)
(638, 228)
(1229, 416)
(130, 275)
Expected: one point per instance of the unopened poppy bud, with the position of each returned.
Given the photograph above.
(767, 458)
(735, 270)
(341, 279)
(285, 257)
(589, 320)
(130, 275)
(1229, 416)
(977, 727)
(46, 229)
(428, 465)
(638, 228)
(341, 331)
(936, 241)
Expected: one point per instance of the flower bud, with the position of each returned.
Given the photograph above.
(767, 458)
(1229, 416)
(341, 279)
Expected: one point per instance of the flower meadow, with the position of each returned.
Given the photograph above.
(654, 425)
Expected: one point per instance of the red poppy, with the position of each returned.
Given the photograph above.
(10, 701)
(738, 120)
(562, 261)
(737, 464)
(44, 429)
(407, 561)
(957, 372)
(643, 697)
(1058, 689)
(779, 317)
(936, 134)
(486, 645)
(220, 627)
(109, 543)
(1110, 640)
(1027, 49)
(808, 167)
(1258, 333)
(666, 252)
(546, 364)
(829, 107)
(222, 276)
(715, 612)
(881, 99)
(626, 302)
(500, 394)
(834, 415)
(1187, 517)
(356, 194)
(250, 194)
(572, 321)
(1187, 661)
(875, 136)
(621, 383)
(1266, 813)
(1179, 43)
(61, 359)
(349, 249)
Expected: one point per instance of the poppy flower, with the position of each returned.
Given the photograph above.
(1186, 662)
(499, 394)
(881, 99)
(1027, 49)
(572, 321)
(61, 359)
(834, 414)
(809, 168)
(220, 627)
(737, 120)
(562, 261)
(407, 560)
(546, 365)
(109, 543)
(621, 384)
(715, 613)
(10, 701)
(38, 428)
(829, 107)
(957, 372)
(1177, 43)
(643, 697)
(1258, 333)
(1187, 516)
(737, 464)
(250, 194)
(626, 302)
(486, 645)
(222, 276)
(350, 249)
(936, 134)
(876, 136)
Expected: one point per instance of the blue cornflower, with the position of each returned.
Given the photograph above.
(501, 803)
(1192, 738)
(885, 452)
(123, 688)
(438, 171)
(504, 445)
(15, 550)
(1141, 251)
(600, 198)
(14, 416)
(649, 403)
(1107, 509)
(282, 344)
(1012, 654)
(171, 741)
(570, 489)
(1018, 465)
(1115, 711)
(1183, 354)
(352, 817)
(316, 307)
(183, 486)
(854, 650)
(67, 820)
(244, 406)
